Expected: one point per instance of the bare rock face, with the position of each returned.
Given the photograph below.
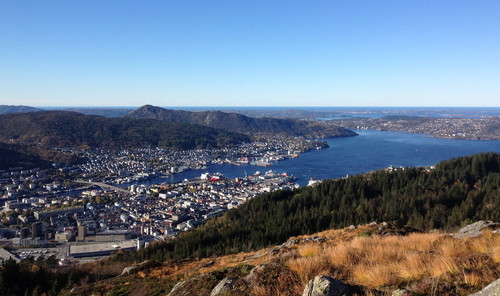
(225, 285)
(326, 286)
(401, 292)
(475, 229)
(492, 289)
(176, 288)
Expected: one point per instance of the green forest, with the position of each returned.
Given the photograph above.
(456, 192)
(56, 129)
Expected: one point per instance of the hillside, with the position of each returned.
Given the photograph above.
(240, 123)
(4, 109)
(28, 157)
(52, 129)
(457, 190)
(14, 156)
(368, 259)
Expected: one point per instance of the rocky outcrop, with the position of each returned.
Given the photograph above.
(176, 288)
(129, 269)
(475, 229)
(142, 265)
(401, 292)
(326, 286)
(223, 286)
(492, 289)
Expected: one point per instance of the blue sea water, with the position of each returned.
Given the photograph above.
(371, 150)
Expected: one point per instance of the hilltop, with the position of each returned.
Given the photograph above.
(52, 129)
(243, 124)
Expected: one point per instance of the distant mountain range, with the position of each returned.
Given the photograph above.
(243, 124)
(52, 129)
(107, 112)
(4, 109)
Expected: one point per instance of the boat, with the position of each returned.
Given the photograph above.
(260, 163)
(243, 161)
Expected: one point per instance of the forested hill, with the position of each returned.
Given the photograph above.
(243, 124)
(70, 129)
(455, 192)
(4, 109)
(13, 156)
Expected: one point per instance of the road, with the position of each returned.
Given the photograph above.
(104, 186)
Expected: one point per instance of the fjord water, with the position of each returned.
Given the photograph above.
(371, 150)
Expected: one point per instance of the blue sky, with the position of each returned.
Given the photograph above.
(250, 53)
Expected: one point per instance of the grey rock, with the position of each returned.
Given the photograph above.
(133, 268)
(352, 227)
(326, 286)
(175, 288)
(400, 292)
(209, 263)
(290, 243)
(224, 285)
(274, 251)
(492, 289)
(257, 270)
(129, 269)
(317, 239)
(475, 229)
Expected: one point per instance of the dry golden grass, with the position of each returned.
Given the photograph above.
(412, 267)
(440, 265)
(496, 254)
(374, 275)
(473, 279)
(306, 268)
(379, 261)
(309, 250)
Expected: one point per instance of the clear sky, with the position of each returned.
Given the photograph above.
(250, 53)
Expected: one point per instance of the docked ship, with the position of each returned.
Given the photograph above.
(260, 163)
(243, 161)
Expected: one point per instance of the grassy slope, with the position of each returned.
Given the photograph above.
(373, 263)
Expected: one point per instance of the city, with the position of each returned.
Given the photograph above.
(100, 206)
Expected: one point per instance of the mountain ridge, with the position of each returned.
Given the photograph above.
(57, 129)
(5, 109)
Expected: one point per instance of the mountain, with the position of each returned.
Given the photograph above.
(243, 124)
(51, 129)
(4, 109)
